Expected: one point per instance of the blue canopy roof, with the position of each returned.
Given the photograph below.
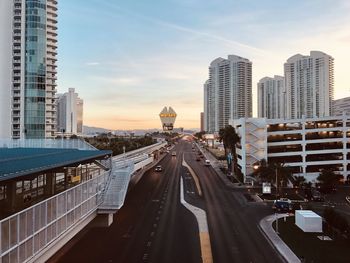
(15, 162)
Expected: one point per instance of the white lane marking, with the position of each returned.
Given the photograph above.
(201, 217)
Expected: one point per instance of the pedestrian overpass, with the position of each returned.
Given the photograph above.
(39, 231)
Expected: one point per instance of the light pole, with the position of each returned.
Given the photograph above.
(276, 182)
(276, 199)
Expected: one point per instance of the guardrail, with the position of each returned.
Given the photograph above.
(27, 233)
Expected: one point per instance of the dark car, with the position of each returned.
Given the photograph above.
(282, 206)
(198, 158)
(317, 196)
(313, 195)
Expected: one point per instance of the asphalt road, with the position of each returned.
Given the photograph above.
(233, 221)
(153, 226)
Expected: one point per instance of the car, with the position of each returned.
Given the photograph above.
(282, 206)
(314, 195)
(207, 163)
(158, 168)
(173, 154)
(285, 200)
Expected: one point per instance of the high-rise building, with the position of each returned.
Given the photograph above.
(271, 98)
(209, 107)
(309, 85)
(341, 106)
(228, 92)
(202, 121)
(69, 112)
(80, 111)
(28, 43)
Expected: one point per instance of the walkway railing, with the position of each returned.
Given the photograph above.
(29, 232)
(46, 143)
(25, 234)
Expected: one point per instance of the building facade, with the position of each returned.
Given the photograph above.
(69, 113)
(202, 121)
(228, 92)
(309, 84)
(341, 106)
(28, 50)
(80, 115)
(271, 98)
(306, 145)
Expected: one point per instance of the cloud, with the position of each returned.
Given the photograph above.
(92, 63)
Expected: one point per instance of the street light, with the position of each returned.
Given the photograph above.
(276, 182)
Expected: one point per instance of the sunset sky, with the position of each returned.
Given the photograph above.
(129, 59)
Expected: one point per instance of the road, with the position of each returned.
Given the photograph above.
(153, 226)
(233, 221)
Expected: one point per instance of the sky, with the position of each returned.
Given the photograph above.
(129, 59)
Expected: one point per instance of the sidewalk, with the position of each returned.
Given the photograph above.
(266, 227)
(215, 163)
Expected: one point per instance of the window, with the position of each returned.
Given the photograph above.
(2, 192)
(19, 187)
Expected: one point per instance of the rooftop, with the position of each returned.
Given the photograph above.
(15, 162)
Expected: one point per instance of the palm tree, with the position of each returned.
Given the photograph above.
(299, 181)
(230, 139)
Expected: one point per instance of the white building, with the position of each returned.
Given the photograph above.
(228, 92)
(306, 145)
(272, 98)
(69, 112)
(28, 50)
(341, 106)
(309, 85)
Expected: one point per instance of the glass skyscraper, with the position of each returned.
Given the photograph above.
(29, 45)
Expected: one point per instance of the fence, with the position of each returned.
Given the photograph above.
(46, 143)
(28, 232)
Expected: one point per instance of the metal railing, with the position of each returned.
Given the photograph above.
(147, 149)
(27, 233)
(46, 143)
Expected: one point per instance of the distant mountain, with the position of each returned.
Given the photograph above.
(87, 130)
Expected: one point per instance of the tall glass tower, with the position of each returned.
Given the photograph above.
(28, 42)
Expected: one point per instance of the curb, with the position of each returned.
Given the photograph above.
(217, 170)
(265, 225)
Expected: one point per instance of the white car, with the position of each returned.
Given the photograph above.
(207, 163)
(173, 153)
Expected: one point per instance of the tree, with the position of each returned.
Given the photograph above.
(329, 179)
(230, 139)
(263, 171)
(283, 173)
(199, 135)
(299, 181)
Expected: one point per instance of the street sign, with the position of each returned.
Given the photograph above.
(266, 188)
